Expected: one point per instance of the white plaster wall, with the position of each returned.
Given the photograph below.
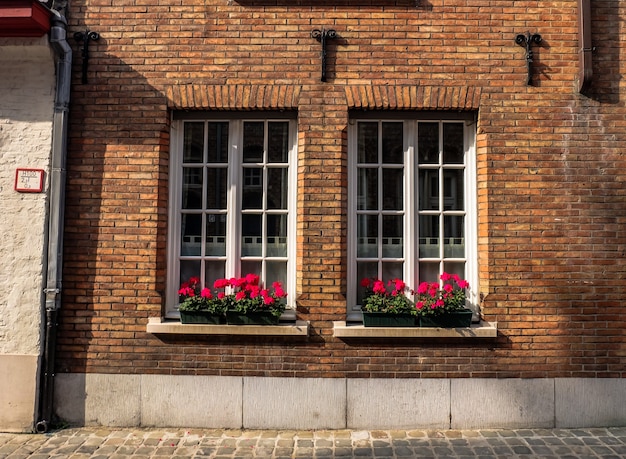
(26, 109)
(27, 89)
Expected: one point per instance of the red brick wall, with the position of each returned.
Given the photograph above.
(552, 201)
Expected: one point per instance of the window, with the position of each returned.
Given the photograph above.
(232, 200)
(411, 202)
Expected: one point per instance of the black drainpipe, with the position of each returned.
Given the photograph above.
(56, 202)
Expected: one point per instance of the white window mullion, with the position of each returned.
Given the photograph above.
(233, 198)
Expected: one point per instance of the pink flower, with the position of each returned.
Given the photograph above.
(448, 288)
(463, 284)
(206, 293)
(268, 300)
(419, 304)
(379, 287)
(445, 277)
(254, 291)
(400, 285)
(278, 289)
(220, 283)
(240, 295)
(252, 279)
(422, 288)
(365, 282)
(221, 295)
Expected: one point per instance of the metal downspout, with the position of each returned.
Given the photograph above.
(56, 202)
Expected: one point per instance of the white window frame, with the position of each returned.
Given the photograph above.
(410, 199)
(234, 196)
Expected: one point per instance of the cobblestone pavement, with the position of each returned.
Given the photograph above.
(109, 443)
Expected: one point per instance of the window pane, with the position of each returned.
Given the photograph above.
(364, 270)
(278, 142)
(215, 235)
(453, 148)
(455, 267)
(193, 142)
(213, 270)
(454, 243)
(393, 151)
(216, 188)
(217, 142)
(277, 188)
(192, 188)
(393, 189)
(393, 242)
(429, 236)
(253, 142)
(191, 234)
(251, 267)
(429, 272)
(393, 271)
(251, 244)
(252, 188)
(276, 271)
(428, 143)
(367, 189)
(367, 152)
(189, 268)
(276, 236)
(453, 187)
(367, 236)
(428, 189)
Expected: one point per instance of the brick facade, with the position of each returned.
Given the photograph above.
(551, 197)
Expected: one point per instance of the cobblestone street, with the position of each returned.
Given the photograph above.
(104, 443)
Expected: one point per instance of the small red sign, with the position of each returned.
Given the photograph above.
(29, 180)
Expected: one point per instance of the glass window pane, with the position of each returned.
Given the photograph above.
(251, 267)
(367, 189)
(276, 271)
(251, 235)
(189, 268)
(367, 236)
(393, 141)
(428, 272)
(393, 271)
(453, 189)
(393, 241)
(191, 234)
(428, 189)
(428, 143)
(429, 236)
(364, 270)
(192, 188)
(217, 142)
(277, 188)
(193, 142)
(213, 270)
(455, 267)
(276, 236)
(367, 149)
(253, 142)
(278, 142)
(252, 189)
(453, 150)
(393, 189)
(215, 235)
(216, 188)
(454, 243)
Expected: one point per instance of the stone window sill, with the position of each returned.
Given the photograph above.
(341, 329)
(164, 326)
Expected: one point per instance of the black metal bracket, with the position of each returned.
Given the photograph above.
(526, 41)
(322, 36)
(86, 37)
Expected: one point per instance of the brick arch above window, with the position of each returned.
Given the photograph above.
(389, 97)
(233, 97)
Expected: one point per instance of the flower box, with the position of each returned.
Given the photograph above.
(452, 319)
(251, 318)
(384, 319)
(201, 317)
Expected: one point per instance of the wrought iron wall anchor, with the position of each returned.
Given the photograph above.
(526, 41)
(322, 36)
(86, 37)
